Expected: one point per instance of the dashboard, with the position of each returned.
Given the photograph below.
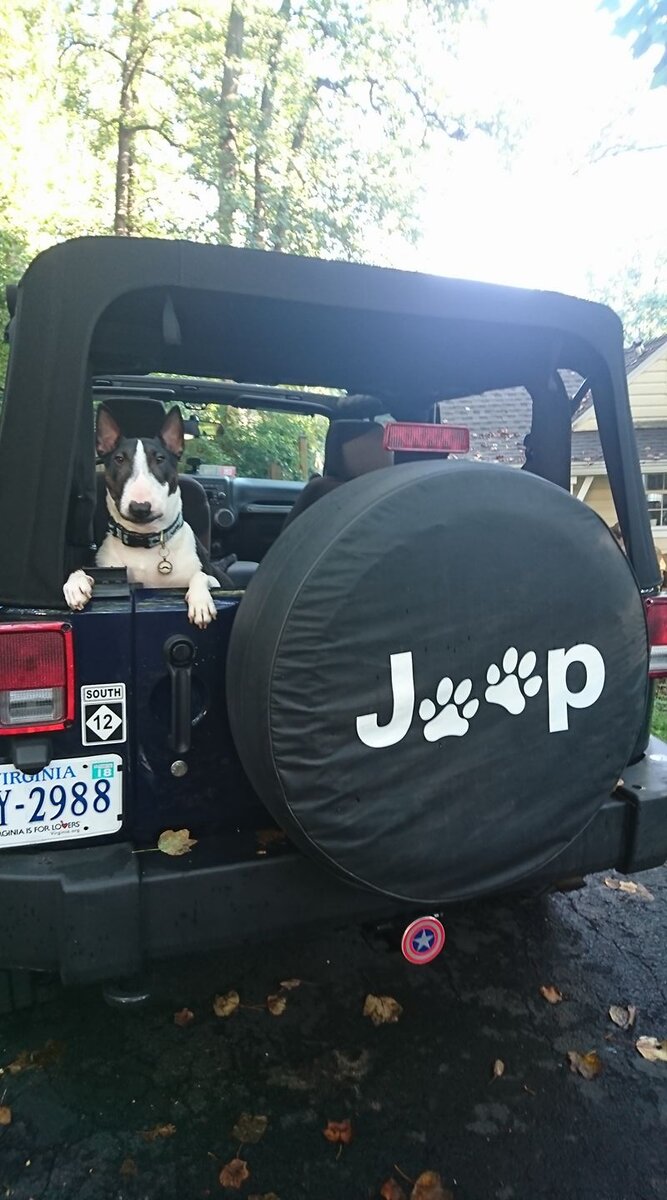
(247, 515)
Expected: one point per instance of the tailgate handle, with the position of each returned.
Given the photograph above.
(180, 654)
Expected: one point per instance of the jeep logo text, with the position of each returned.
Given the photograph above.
(510, 686)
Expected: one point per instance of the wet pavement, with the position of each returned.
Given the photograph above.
(127, 1105)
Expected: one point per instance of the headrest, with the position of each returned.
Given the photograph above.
(354, 448)
(137, 417)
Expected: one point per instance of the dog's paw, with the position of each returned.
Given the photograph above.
(78, 590)
(201, 606)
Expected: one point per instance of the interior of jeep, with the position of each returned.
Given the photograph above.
(238, 503)
(258, 456)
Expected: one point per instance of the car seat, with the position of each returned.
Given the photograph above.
(352, 448)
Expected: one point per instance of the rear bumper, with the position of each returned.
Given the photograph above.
(96, 913)
(105, 912)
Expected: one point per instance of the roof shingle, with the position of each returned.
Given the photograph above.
(651, 444)
(498, 421)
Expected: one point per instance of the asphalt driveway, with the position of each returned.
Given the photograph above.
(126, 1105)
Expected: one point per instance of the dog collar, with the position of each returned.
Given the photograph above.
(144, 541)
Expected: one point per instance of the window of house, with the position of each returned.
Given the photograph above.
(656, 495)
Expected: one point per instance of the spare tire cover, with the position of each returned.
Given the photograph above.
(437, 675)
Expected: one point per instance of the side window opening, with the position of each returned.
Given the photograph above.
(499, 422)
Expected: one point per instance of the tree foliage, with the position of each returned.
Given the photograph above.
(294, 125)
(639, 299)
(646, 22)
(258, 442)
(305, 120)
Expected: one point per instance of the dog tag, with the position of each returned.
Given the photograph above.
(164, 566)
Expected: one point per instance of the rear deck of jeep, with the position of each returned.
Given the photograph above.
(115, 722)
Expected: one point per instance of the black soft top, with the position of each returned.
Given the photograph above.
(97, 306)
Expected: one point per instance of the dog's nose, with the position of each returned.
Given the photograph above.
(139, 510)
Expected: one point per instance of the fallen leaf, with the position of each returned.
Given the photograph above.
(264, 1196)
(587, 1065)
(382, 1010)
(183, 1017)
(652, 1049)
(498, 1069)
(5, 1115)
(391, 1190)
(551, 994)
(27, 1060)
(636, 889)
(175, 842)
(128, 1168)
(429, 1187)
(623, 1017)
(234, 1173)
(338, 1132)
(269, 837)
(629, 886)
(250, 1129)
(224, 1006)
(22, 1063)
(158, 1131)
(276, 1005)
(290, 984)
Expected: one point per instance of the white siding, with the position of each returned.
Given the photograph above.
(599, 499)
(647, 386)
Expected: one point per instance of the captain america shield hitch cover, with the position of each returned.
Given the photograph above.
(423, 940)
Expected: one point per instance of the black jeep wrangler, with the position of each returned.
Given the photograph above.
(431, 685)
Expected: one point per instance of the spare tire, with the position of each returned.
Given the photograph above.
(437, 675)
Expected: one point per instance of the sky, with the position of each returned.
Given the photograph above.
(542, 217)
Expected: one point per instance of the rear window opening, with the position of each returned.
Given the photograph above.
(253, 449)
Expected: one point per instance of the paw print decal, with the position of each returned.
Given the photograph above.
(508, 687)
(517, 681)
(456, 710)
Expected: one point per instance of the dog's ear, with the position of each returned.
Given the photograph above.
(107, 432)
(172, 433)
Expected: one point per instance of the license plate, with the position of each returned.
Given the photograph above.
(71, 798)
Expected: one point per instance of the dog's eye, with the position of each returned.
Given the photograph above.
(119, 458)
(159, 458)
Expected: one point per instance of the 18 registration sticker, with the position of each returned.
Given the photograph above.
(70, 798)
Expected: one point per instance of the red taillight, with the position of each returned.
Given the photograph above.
(36, 677)
(434, 439)
(656, 617)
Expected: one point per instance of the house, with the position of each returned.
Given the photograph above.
(499, 421)
(646, 366)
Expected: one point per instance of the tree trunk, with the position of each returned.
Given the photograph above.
(227, 146)
(127, 108)
(265, 119)
(298, 137)
(124, 158)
